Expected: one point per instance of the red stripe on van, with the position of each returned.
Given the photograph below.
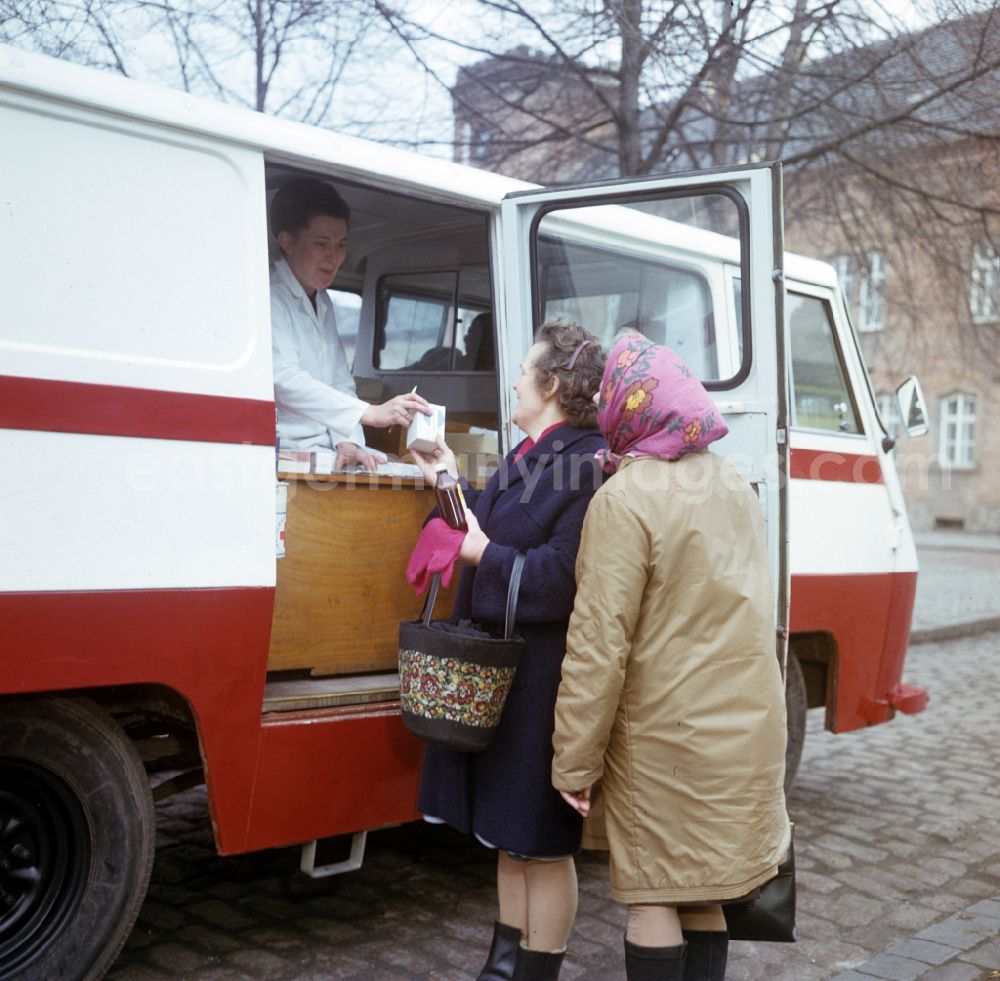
(851, 468)
(112, 410)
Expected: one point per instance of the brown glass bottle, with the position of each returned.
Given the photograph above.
(450, 500)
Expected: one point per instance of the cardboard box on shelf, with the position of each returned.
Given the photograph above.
(477, 453)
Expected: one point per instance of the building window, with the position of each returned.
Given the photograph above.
(464, 141)
(871, 294)
(864, 293)
(844, 266)
(984, 297)
(475, 143)
(958, 431)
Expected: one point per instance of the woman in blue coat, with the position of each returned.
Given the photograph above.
(534, 505)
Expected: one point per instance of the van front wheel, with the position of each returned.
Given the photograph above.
(76, 839)
(795, 708)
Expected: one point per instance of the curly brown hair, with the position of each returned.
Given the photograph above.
(579, 377)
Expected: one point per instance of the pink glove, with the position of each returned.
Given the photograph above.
(436, 550)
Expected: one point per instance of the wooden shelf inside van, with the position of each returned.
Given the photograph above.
(341, 585)
(309, 694)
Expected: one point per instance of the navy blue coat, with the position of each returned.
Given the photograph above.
(536, 507)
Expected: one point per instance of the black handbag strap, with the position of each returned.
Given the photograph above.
(512, 591)
(432, 595)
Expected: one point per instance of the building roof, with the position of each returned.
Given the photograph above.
(931, 86)
(936, 85)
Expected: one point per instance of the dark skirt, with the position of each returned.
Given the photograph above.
(504, 795)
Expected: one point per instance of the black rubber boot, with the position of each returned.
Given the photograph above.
(499, 965)
(537, 965)
(654, 963)
(707, 952)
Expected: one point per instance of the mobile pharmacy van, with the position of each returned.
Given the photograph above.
(155, 635)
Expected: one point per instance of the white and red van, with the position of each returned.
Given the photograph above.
(153, 635)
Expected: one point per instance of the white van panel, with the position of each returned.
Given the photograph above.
(821, 541)
(133, 256)
(76, 506)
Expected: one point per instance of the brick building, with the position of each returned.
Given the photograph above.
(892, 159)
(514, 114)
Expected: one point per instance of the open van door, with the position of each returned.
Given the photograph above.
(659, 255)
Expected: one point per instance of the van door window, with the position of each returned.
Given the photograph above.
(822, 397)
(619, 274)
(425, 319)
(670, 304)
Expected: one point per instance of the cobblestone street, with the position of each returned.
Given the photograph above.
(897, 848)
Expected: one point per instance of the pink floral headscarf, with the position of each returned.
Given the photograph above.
(652, 404)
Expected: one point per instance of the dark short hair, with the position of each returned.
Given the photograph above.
(577, 384)
(301, 200)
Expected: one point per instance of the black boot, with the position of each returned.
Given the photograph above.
(707, 952)
(499, 965)
(654, 963)
(537, 965)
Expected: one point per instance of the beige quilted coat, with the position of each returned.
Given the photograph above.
(671, 695)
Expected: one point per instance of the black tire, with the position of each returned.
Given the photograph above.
(77, 834)
(795, 707)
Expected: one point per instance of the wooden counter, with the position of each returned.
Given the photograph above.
(342, 588)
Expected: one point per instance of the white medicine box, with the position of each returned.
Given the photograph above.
(424, 430)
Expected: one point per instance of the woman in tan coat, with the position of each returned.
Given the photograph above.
(670, 715)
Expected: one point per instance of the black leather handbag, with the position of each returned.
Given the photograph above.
(455, 675)
(770, 917)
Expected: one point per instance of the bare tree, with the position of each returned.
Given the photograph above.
(284, 57)
(889, 131)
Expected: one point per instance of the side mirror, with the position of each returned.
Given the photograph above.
(912, 412)
(912, 407)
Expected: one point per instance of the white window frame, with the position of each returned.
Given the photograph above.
(957, 433)
(864, 290)
(984, 291)
(844, 266)
(871, 293)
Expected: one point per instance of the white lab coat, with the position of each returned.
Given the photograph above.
(313, 387)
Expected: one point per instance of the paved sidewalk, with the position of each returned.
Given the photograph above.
(958, 588)
(962, 541)
(958, 948)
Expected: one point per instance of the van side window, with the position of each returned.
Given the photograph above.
(822, 397)
(347, 308)
(424, 320)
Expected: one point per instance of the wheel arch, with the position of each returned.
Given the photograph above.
(818, 657)
(158, 720)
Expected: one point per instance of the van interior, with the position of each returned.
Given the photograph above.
(414, 308)
(416, 277)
